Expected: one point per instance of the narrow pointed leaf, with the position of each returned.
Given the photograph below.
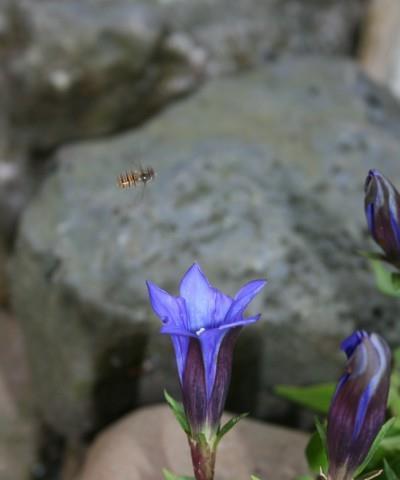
(229, 425)
(178, 411)
(315, 397)
(389, 472)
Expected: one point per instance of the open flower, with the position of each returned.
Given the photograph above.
(382, 209)
(357, 411)
(204, 324)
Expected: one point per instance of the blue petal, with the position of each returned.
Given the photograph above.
(210, 341)
(181, 345)
(244, 296)
(369, 212)
(350, 343)
(169, 329)
(200, 298)
(168, 308)
(361, 412)
(240, 322)
(172, 312)
(180, 338)
(222, 305)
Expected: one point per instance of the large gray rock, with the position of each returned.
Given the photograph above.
(241, 34)
(258, 176)
(82, 68)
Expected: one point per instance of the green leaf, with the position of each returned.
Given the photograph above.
(394, 394)
(253, 477)
(386, 281)
(178, 411)
(229, 425)
(316, 449)
(389, 472)
(304, 477)
(315, 397)
(321, 429)
(374, 447)
(171, 476)
(396, 281)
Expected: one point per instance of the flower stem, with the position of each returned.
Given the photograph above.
(203, 459)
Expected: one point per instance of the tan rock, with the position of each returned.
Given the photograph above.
(380, 45)
(140, 445)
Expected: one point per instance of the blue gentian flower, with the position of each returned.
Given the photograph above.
(204, 324)
(357, 411)
(382, 209)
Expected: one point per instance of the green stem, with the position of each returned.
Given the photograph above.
(203, 459)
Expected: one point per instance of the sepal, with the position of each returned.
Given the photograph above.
(178, 411)
(228, 426)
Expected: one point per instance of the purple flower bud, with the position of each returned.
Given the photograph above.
(358, 407)
(204, 324)
(382, 209)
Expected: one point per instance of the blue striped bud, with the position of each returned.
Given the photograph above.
(382, 209)
(357, 411)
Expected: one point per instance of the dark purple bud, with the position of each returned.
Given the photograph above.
(357, 411)
(382, 209)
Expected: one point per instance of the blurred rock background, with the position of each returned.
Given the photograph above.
(261, 119)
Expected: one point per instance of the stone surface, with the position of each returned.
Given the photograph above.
(380, 45)
(82, 68)
(140, 445)
(17, 445)
(239, 35)
(258, 176)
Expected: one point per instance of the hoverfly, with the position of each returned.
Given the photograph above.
(133, 178)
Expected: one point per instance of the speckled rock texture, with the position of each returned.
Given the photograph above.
(140, 445)
(257, 176)
(77, 69)
(83, 68)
